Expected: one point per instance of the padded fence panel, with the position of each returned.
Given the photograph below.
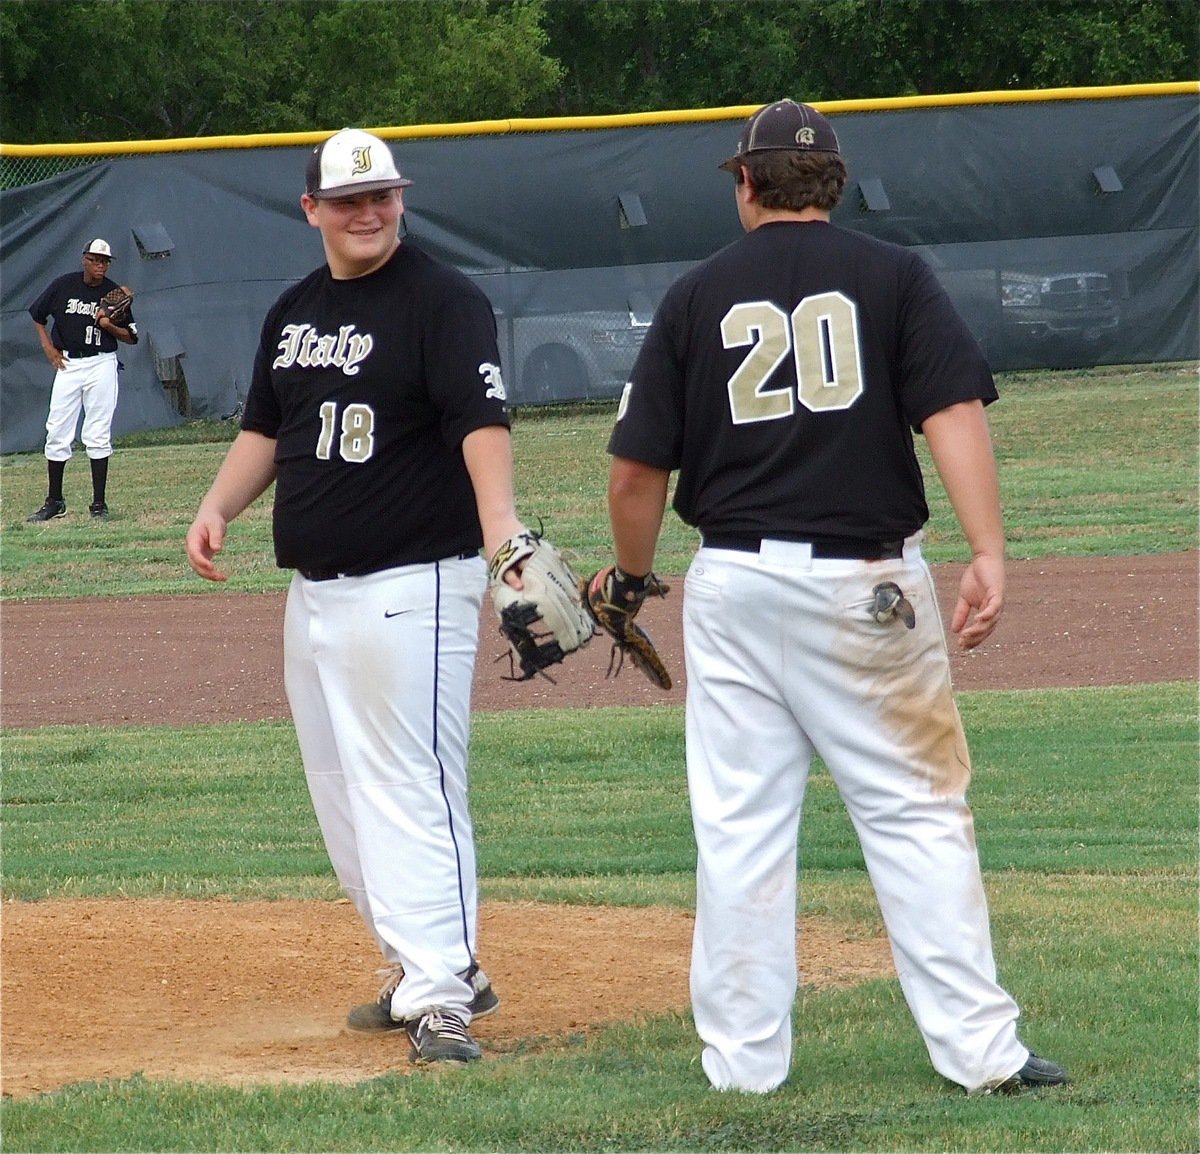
(575, 234)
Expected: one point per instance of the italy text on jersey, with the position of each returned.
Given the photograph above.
(303, 345)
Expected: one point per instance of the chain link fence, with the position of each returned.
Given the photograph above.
(18, 171)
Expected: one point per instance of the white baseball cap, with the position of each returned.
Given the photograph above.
(350, 162)
(99, 247)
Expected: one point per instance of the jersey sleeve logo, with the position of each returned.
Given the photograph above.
(623, 405)
(302, 345)
(494, 381)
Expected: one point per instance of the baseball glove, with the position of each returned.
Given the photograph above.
(549, 601)
(613, 599)
(889, 603)
(116, 304)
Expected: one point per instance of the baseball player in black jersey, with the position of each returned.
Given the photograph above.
(82, 347)
(783, 378)
(377, 408)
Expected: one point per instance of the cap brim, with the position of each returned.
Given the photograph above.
(732, 164)
(357, 189)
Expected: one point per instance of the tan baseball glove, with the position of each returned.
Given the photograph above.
(544, 621)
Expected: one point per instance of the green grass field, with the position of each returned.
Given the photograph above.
(1098, 462)
(1085, 803)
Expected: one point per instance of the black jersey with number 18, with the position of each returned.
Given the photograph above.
(368, 387)
(783, 377)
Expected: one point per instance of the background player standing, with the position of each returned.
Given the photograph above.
(83, 351)
(378, 409)
(783, 378)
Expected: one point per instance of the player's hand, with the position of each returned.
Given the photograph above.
(508, 528)
(980, 601)
(55, 357)
(205, 539)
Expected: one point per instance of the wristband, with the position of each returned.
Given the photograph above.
(626, 587)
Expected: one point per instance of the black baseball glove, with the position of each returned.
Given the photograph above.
(613, 599)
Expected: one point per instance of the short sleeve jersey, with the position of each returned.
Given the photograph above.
(70, 303)
(784, 376)
(368, 387)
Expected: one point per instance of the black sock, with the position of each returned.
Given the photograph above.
(99, 479)
(56, 470)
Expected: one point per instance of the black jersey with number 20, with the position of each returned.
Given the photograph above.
(368, 387)
(783, 377)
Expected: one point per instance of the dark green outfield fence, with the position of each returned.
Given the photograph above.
(1064, 224)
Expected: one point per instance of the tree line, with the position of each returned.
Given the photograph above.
(110, 70)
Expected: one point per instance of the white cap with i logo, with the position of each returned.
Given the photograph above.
(351, 162)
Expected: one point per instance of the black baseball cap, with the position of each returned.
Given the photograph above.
(350, 162)
(785, 126)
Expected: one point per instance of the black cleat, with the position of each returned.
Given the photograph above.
(1036, 1073)
(376, 1017)
(49, 511)
(441, 1036)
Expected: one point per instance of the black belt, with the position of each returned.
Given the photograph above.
(830, 549)
(334, 574)
(83, 356)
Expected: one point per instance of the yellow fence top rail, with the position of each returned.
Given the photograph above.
(591, 123)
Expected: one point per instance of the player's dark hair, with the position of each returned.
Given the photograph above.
(794, 180)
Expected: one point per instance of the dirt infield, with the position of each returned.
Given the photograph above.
(251, 992)
(216, 658)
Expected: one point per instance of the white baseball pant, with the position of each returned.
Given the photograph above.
(88, 384)
(783, 660)
(378, 673)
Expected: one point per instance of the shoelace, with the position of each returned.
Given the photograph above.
(445, 1025)
(393, 975)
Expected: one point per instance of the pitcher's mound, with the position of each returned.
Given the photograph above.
(247, 993)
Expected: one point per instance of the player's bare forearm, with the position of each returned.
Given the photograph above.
(961, 446)
(53, 355)
(487, 453)
(245, 474)
(637, 498)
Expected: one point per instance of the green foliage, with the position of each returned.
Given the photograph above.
(168, 70)
(632, 55)
(421, 63)
(176, 68)
(1046, 44)
(179, 69)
